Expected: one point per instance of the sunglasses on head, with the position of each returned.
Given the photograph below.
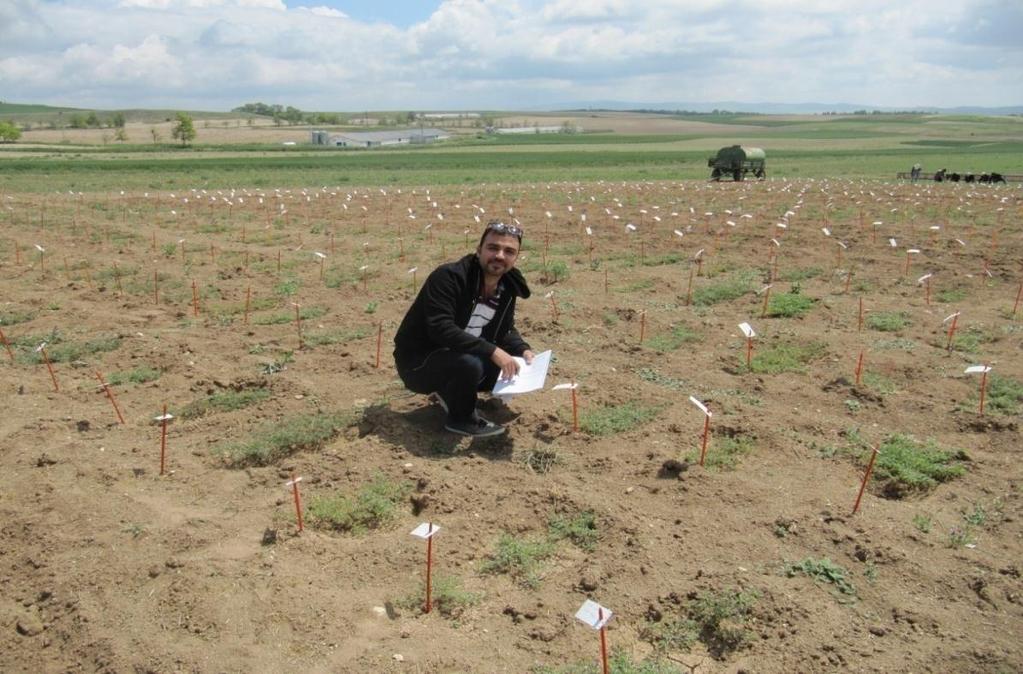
(504, 229)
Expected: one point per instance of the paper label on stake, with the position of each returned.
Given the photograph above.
(893, 243)
(977, 369)
(593, 614)
(827, 232)
(631, 227)
(291, 483)
(747, 330)
(412, 271)
(950, 317)
(924, 277)
(164, 417)
(678, 233)
(700, 405)
(912, 251)
(426, 531)
(565, 387)
(40, 347)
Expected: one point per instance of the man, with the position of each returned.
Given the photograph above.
(459, 334)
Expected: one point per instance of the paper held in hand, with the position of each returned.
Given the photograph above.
(530, 377)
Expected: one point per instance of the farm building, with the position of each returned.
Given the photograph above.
(378, 138)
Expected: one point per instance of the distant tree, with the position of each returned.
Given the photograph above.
(92, 121)
(184, 129)
(117, 121)
(76, 121)
(155, 133)
(120, 135)
(9, 132)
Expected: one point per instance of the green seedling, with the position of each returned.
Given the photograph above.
(278, 440)
(822, 571)
(521, 559)
(373, 506)
(614, 420)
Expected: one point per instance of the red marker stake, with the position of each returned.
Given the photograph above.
(749, 354)
(603, 642)
(1019, 294)
(248, 302)
(952, 331)
(195, 299)
(606, 284)
(554, 307)
(767, 296)
(7, 345)
(859, 368)
(642, 326)
(866, 477)
(706, 434)
(983, 390)
(46, 359)
(110, 394)
(429, 570)
(859, 319)
(298, 500)
(298, 325)
(380, 337)
(164, 418)
(848, 279)
(575, 410)
(689, 291)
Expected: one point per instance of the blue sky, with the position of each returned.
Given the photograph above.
(401, 13)
(355, 55)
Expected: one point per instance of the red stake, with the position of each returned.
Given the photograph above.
(298, 324)
(859, 368)
(46, 359)
(952, 331)
(706, 433)
(603, 642)
(7, 345)
(380, 337)
(298, 501)
(248, 302)
(767, 296)
(606, 285)
(429, 569)
(575, 410)
(859, 319)
(195, 299)
(689, 292)
(1019, 294)
(866, 477)
(848, 279)
(110, 394)
(749, 354)
(163, 419)
(156, 287)
(642, 325)
(983, 390)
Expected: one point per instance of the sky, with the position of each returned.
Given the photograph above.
(364, 55)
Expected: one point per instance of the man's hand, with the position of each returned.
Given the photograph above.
(509, 366)
(527, 356)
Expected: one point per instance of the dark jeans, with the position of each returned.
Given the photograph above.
(457, 377)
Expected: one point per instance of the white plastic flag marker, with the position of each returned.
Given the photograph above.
(982, 370)
(426, 531)
(678, 233)
(706, 426)
(293, 483)
(413, 273)
(909, 253)
(748, 331)
(893, 243)
(164, 419)
(596, 617)
(589, 232)
(866, 477)
(951, 329)
(827, 232)
(554, 305)
(575, 402)
(926, 281)
(631, 227)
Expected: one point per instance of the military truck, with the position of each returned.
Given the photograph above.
(737, 161)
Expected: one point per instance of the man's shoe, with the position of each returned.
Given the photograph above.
(477, 427)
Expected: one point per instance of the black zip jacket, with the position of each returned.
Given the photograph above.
(441, 310)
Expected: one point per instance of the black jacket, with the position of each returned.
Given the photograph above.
(441, 310)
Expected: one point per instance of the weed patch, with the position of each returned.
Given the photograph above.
(278, 440)
(1004, 395)
(887, 321)
(724, 291)
(906, 466)
(655, 377)
(521, 559)
(372, 506)
(139, 375)
(789, 305)
(613, 420)
(723, 453)
(786, 357)
(447, 596)
(670, 341)
(823, 571)
(581, 530)
(224, 402)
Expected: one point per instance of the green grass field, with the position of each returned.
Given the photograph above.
(864, 146)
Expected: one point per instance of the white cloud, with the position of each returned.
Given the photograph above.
(511, 53)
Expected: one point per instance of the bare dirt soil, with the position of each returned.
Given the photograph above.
(106, 565)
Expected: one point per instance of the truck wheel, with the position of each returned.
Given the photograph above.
(760, 174)
(737, 175)
(715, 174)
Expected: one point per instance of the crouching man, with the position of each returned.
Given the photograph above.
(459, 334)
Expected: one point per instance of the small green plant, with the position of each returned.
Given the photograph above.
(1004, 395)
(371, 307)
(971, 339)
(722, 618)
(618, 419)
(887, 321)
(731, 289)
(610, 319)
(853, 405)
(786, 357)
(335, 336)
(60, 351)
(581, 530)
(304, 313)
(226, 401)
(823, 571)
(277, 440)
(671, 341)
(279, 364)
(447, 596)
(15, 317)
(286, 288)
(134, 530)
(880, 383)
(541, 459)
(960, 536)
(897, 344)
(923, 522)
(870, 572)
(555, 272)
(789, 305)
(521, 559)
(140, 375)
(804, 274)
(951, 295)
(372, 506)
(671, 634)
(723, 453)
(655, 377)
(169, 249)
(905, 465)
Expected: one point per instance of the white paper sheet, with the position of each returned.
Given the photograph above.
(530, 377)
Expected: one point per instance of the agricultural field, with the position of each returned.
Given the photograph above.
(254, 300)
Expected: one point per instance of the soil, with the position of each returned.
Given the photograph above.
(106, 565)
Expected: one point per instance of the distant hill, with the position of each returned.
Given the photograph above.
(778, 108)
(20, 108)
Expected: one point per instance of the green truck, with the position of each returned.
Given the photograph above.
(737, 161)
